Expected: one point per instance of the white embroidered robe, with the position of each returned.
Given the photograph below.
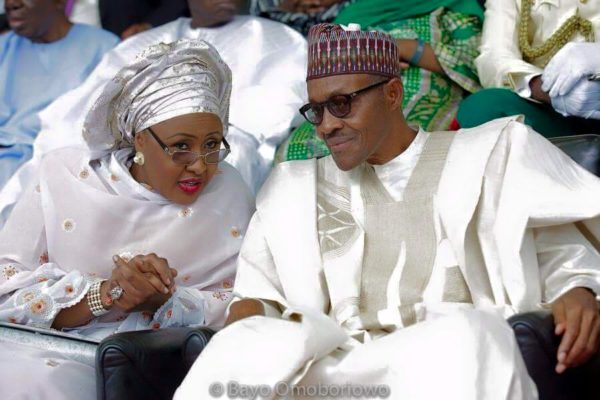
(63, 234)
(507, 202)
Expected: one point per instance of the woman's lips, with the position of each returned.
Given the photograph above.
(190, 186)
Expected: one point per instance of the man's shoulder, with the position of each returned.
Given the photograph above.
(268, 26)
(490, 132)
(294, 169)
(6, 39)
(288, 180)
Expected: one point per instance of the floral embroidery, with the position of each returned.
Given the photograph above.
(38, 307)
(52, 363)
(12, 320)
(69, 290)
(235, 232)
(186, 278)
(84, 174)
(44, 258)
(170, 313)
(9, 271)
(114, 178)
(220, 295)
(42, 279)
(186, 212)
(68, 225)
(227, 285)
(156, 325)
(28, 296)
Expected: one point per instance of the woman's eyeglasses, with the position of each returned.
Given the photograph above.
(339, 105)
(184, 157)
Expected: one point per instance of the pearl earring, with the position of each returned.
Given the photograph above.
(139, 158)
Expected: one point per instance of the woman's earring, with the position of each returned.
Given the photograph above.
(139, 158)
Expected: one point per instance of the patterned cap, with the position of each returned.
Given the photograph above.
(337, 50)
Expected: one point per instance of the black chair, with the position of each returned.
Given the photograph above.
(147, 365)
(539, 346)
(151, 364)
(583, 149)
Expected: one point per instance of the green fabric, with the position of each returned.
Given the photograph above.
(489, 104)
(430, 100)
(375, 12)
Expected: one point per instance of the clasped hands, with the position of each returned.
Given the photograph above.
(565, 79)
(147, 282)
(577, 320)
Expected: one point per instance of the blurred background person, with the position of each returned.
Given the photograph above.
(42, 57)
(298, 14)
(128, 17)
(520, 37)
(125, 18)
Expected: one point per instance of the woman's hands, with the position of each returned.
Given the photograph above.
(147, 282)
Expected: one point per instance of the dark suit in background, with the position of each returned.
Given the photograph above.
(118, 15)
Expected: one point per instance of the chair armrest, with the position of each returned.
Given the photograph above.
(147, 364)
(539, 347)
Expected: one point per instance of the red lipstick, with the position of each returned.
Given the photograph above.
(190, 186)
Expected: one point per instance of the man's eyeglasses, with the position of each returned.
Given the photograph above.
(184, 157)
(339, 105)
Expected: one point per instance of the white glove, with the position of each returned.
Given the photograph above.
(573, 62)
(582, 100)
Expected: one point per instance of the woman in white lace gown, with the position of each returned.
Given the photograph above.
(142, 231)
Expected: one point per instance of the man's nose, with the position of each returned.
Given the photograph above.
(329, 124)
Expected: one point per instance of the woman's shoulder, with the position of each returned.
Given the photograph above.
(230, 179)
(68, 157)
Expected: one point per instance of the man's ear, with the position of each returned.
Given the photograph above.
(394, 93)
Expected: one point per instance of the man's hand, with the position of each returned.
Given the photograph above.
(572, 63)
(577, 319)
(537, 93)
(583, 100)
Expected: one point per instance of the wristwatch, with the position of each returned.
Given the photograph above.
(94, 299)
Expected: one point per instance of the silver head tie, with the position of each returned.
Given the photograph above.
(165, 81)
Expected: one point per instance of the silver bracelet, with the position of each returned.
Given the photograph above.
(94, 299)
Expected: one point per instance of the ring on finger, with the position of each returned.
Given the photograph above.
(116, 293)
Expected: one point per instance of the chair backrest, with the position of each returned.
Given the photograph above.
(583, 149)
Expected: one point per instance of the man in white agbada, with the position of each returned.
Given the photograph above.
(396, 260)
(143, 233)
(268, 60)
